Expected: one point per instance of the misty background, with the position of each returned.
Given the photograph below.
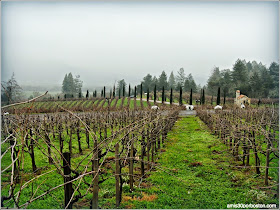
(104, 42)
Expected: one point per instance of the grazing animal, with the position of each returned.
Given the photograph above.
(6, 113)
(189, 107)
(242, 106)
(218, 107)
(154, 107)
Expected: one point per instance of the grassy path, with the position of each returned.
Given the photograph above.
(193, 172)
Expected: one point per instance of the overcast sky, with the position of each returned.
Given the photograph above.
(104, 42)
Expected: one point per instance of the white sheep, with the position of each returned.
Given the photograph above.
(218, 107)
(6, 113)
(189, 107)
(154, 107)
(242, 106)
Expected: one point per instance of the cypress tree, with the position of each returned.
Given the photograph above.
(141, 90)
(101, 93)
(123, 91)
(191, 98)
(114, 92)
(80, 95)
(203, 97)
(110, 93)
(87, 94)
(180, 97)
(171, 96)
(148, 94)
(212, 100)
(155, 93)
(219, 96)
(162, 95)
(200, 96)
(65, 96)
(104, 92)
(95, 93)
(119, 93)
(135, 93)
(129, 90)
(224, 97)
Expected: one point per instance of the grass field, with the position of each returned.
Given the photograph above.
(194, 172)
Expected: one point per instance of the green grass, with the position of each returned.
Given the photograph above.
(177, 184)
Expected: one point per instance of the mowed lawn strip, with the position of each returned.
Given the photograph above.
(193, 173)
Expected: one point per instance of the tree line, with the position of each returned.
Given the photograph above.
(251, 78)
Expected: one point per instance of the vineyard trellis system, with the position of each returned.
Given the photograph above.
(248, 133)
(84, 150)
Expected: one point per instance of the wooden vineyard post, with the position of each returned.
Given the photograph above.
(255, 153)
(142, 155)
(117, 175)
(248, 152)
(16, 170)
(49, 148)
(70, 141)
(131, 166)
(152, 149)
(87, 137)
(148, 150)
(79, 138)
(60, 139)
(34, 167)
(267, 163)
(95, 166)
(158, 142)
(68, 190)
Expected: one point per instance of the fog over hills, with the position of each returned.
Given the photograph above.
(104, 42)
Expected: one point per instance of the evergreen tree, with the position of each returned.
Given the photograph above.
(214, 81)
(135, 93)
(162, 81)
(129, 90)
(123, 90)
(10, 91)
(255, 84)
(180, 78)
(147, 82)
(121, 86)
(180, 97)
(87, 95)
(148, 94)
(238, 74)
(171, 81)
(154, 81)
(178, 86)
(190, 83)
(104, 92)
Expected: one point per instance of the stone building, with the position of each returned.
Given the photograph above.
(241, 99)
